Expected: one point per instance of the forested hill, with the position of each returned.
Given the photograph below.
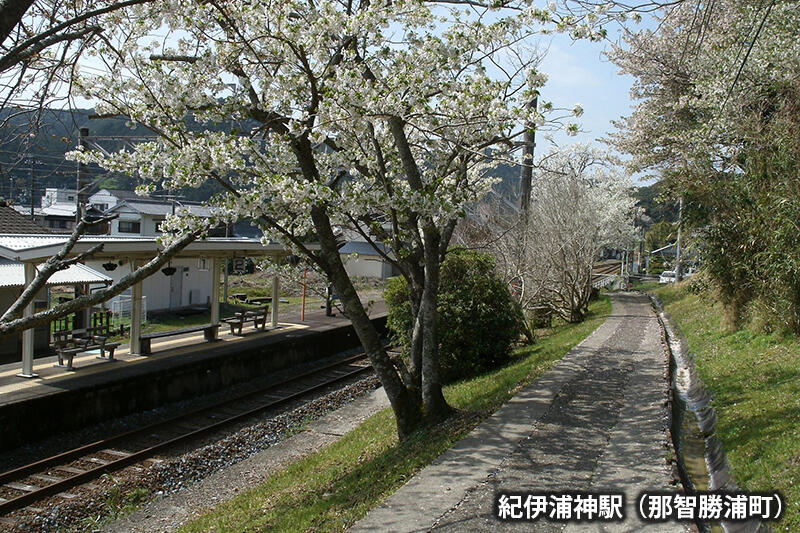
(58, 134)
(658, 208)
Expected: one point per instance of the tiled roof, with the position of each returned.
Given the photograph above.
(59, 209)
(12, 274)
(13, 222)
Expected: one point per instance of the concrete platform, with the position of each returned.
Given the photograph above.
(179, 367)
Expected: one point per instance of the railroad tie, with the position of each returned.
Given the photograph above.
(70, 469)
(21, 487)
(118, 453)
(49, 479)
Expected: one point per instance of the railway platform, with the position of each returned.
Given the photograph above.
(179, 367)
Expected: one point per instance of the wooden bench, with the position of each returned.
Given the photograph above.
(209, 333)
(260, 300)
(238, 319)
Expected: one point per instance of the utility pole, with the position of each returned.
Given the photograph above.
(30, 184)
(526, 172)
(526, 179)
(82, 177)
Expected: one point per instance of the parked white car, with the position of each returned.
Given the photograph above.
(668, 276)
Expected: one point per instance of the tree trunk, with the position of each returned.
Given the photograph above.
(11, 13)
(415, 349)
(406, 405)
(436, 408)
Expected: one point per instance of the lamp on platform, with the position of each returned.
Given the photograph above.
(169, 269)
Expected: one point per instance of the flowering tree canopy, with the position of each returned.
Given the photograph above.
(718, 85)
(581, 202)
(374, 117)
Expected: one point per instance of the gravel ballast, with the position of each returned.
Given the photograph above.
(184, 470)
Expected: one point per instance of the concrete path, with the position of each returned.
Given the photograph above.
(595, 422)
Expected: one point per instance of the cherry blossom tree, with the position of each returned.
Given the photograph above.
(717, 90)
(580, 203)
(375, 117)
(41, 42)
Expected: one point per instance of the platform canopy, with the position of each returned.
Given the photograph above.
(12, 274)
(33, 249)
(38, 248)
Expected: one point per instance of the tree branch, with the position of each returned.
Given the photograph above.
(8, 327)
(50, 267)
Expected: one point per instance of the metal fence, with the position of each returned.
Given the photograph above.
(121, 310)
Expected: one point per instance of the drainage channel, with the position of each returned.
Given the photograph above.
(702, 462)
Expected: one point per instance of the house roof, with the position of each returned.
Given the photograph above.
(122, 194)
(362, 248)
(13, 222)
(156, 208)
(12, 274)
(59, 209)
(38, 248)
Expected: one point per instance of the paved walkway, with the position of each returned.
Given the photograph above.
(595, 422)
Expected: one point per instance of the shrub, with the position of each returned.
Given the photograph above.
(478, 318)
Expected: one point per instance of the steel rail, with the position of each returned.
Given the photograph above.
(77, 479)
(17, 473)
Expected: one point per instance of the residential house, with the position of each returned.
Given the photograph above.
(143, 216)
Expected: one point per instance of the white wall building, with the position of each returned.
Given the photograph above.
(144, 216)
(189, 286)
(362, 260)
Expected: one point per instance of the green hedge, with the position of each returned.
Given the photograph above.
(478, 319)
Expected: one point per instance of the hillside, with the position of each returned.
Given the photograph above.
(656, 207)
(57, 135)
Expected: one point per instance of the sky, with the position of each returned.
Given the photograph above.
(579, 73)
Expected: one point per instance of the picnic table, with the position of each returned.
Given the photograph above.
(67, 341)
(258, 317)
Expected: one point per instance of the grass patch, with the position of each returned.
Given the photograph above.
(755, 378)
(117, 503)
(331, 489)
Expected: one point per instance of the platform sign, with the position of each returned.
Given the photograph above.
(239, 265)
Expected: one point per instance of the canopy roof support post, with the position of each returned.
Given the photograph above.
(225, 290)
(215, 264)
(136, 316)
(27, 335)
(86, 313)
(276, 296)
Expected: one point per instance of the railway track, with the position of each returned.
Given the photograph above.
(606, 269)
(35, 481)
